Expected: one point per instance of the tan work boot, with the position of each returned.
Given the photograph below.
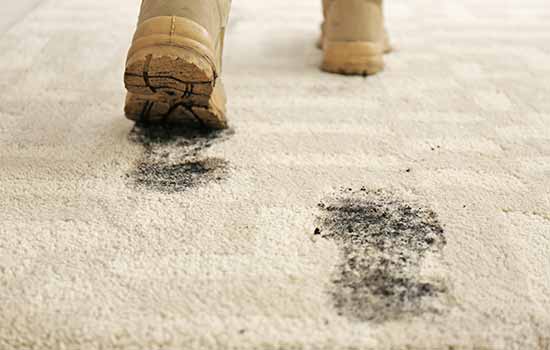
(354, 38)
(174, 64)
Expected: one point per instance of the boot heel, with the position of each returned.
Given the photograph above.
(354, 57)
(170, 71)
(354, 39)
(172, 57)
(171, 74)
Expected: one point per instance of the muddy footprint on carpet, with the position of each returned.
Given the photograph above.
(173, 158)
(386, 245)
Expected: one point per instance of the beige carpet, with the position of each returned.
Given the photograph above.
(120, 238)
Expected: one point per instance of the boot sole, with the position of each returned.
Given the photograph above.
(388, 48)
(353, 58)
(171, 78)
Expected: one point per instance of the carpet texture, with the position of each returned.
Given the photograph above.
(405, 210)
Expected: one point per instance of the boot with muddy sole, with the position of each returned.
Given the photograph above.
(174, 63)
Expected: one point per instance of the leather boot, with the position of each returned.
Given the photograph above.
(353, 38)
(174, 63)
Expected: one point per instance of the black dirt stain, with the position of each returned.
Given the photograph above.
(173, 158)
(383, 242)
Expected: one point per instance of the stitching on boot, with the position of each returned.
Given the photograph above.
(172, 28)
